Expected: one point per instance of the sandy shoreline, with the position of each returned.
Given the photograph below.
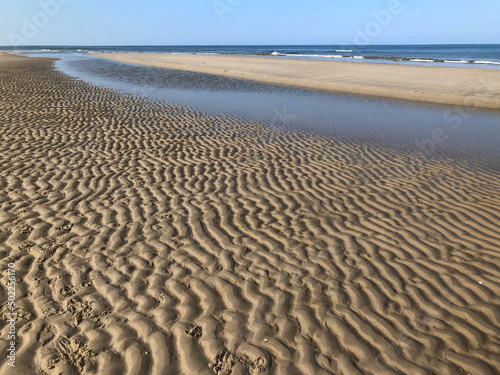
(152, 239)
(457, 86)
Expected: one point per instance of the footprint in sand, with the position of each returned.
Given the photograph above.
(194, 331)
(63, 229)
(223, 363)
(69, 354)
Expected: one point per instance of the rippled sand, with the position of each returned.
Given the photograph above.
(156, 240)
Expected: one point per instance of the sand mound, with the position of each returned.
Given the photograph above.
(156, 240)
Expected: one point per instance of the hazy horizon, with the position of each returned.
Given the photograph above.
(245, 45)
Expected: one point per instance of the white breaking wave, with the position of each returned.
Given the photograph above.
(305, 55)
(487, 62)
(41, 51)
(324, 56)
(321, 56)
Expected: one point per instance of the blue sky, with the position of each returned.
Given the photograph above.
(184, 22)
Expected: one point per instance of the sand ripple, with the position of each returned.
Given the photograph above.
(157, 240)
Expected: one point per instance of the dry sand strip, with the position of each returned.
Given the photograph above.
(474, 87)
(151, 239)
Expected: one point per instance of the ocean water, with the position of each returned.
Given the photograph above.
(476, 55)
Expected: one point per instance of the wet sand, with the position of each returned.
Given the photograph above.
(152, 239)
(474, 87)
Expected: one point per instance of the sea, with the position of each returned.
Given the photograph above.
(463, 55)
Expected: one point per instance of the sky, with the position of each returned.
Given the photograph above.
(248, 22)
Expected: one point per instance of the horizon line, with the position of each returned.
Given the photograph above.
(242, 45)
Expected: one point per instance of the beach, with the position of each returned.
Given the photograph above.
(471, 87)
(154, 239)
